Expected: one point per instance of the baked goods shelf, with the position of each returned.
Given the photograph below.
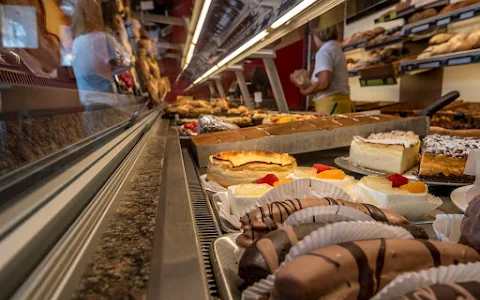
(442, 20)
(408, 11)
(454, 59)
(357, 45)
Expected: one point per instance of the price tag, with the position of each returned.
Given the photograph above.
(146, 5)
(459, 61)
(467, 15)
(430, 65)
(382, 19)
(420, 28)
(393, 15)
(444, 21)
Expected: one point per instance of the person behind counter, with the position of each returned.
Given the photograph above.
(329, 87)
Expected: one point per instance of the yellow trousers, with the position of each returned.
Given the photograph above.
(343, 104)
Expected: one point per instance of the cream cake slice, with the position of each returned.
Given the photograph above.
(392, 152)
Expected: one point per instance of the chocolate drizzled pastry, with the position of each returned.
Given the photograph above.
(358, 270)
(267, 218)
(267, 253)
(470, 227)
(469, 290)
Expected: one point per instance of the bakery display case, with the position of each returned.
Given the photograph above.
(124, 175)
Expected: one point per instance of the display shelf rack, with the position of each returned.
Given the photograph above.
(453, 59)
(442, 20)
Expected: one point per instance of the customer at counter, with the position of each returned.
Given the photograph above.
(329, 87)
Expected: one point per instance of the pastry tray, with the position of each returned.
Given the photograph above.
(225, 254)
(412, 174)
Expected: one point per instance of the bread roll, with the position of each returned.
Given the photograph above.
(440, 38)
(459, 37)
(415, 18)
(442, 49)
(358, 270)
(264, 219)
(474, 39)
(424, 55)
(428, 13)
(238, 167)
(461, 46)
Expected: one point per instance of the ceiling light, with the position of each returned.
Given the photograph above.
(189, 55)
(242, 48)
(201, 20)
(292, 13)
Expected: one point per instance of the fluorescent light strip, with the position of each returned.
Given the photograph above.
(244, 47)
(189, 55)
(201, 21)
(292, 13)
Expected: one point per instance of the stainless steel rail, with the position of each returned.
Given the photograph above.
(45, 234)
(179, 269)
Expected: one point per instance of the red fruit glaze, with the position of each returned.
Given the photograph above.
(270, 179)
(320, 168)
(397, 180)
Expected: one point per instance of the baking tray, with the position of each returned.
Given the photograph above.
(412, 174)
(310, 141)
(225, 253)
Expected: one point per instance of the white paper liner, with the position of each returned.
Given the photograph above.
(336, 213)
(211, 186)
(447, 227)
(331, 234)
(303, 188)
(410, 281)
(410, 207)
(230, 222)
(349, 186)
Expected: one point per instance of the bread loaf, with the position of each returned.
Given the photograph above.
(358, 270)
(474, 39)
(440, 38)
(267, 218)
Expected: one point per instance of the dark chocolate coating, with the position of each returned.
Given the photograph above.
(416, 232)
(253, 265)
(446, 291)
(268, 217)
(359, 270)
(470, 227)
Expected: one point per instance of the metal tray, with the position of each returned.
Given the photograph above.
(345, 163)
(225, 253)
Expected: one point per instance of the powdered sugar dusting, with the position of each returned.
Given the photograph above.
(452, 146)
(396, 137)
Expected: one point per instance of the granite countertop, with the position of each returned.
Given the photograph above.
(120, 266)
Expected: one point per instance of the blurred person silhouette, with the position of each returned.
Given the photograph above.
(95, 52)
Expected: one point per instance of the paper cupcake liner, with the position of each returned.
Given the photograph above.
(211, 186)
(336, 213)
(303, 188)
(410, 281)
(447, 227)
(224, 209)
(411, 208)
(331, 234)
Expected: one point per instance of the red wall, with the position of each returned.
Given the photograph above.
(289, 59)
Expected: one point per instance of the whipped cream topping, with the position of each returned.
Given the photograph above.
(396, 137)
(447, 145)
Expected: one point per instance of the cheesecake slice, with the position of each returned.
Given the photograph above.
(391, 152)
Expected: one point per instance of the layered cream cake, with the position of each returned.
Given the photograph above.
(243, 196)
(326, 174)
(397, 193)
(444, 157)
(391, 152)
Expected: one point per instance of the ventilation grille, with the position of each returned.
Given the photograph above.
(9, 77)
(206, 225)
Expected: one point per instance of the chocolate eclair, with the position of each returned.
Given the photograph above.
(267, 218)
(470, 227)
(358, 270)
(267, 253)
